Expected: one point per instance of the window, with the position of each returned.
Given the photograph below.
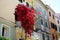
(21, 39)
(16, 16)
(58, 21)
(47, 37)
(41, 21)
(21, 1)
(46, 24)
(53, 16)
(56, 37)
(59, 29)
(54, 26)
(27, 4)
(43, 36)
(53, 36)
(49, 13)
(38, 22)
(3, 31)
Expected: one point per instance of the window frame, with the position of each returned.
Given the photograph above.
(41, 21)
(7, 30)
(49, 13)
(48, 37)
(43, 36)
(3, 30)
(59, 29)
(58, 21)
(46, 24)
(53, 37)
(53, 16)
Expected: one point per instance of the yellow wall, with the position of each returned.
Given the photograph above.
(31, 2)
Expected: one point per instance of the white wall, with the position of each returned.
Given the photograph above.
(7, 9)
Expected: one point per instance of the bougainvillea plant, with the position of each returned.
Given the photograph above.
(26, 17)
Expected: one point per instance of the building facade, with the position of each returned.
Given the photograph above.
(45, 27)
(7, 20)
(42, 25)
(52, 23)
(7, 29)
(58, 20)
(20, 32)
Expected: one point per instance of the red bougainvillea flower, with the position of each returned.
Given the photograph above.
(26, 16)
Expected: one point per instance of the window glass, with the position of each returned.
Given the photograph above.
(53, 16)
(46, 24)
(59, 29)
(41, 21)
(3, 30)
(56, 37)
(38, 21)
(58, 21)
(49, 13)
(53, 36)
(47, 37)
(27, 4)
(54, 26)
(21, 1)
(43, 36)
(38, 8)
(16, 16)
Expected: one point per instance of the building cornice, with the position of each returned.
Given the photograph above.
(7, 22)
(42, 4)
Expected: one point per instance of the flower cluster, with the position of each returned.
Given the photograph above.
(26, 16)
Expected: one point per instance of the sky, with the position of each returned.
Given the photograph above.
(54, 4)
